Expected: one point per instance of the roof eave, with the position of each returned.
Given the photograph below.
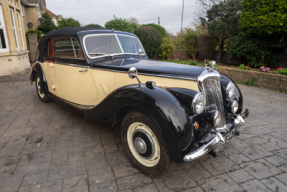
(24, 2)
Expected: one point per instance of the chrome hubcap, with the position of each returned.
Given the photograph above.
(39, 87)
(140, 145)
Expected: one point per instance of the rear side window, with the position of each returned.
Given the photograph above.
(65, 47)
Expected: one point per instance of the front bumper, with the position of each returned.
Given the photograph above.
(217, 140)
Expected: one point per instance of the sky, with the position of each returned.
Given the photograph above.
(146, 11)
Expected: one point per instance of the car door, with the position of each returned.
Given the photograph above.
(71, 76)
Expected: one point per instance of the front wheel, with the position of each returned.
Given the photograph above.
(145, 145)
(42, 96)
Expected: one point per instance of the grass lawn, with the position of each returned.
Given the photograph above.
(188, 62)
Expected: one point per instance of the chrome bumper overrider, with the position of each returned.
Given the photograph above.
(217, 139)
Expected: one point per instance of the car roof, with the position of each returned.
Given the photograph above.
(73, 31)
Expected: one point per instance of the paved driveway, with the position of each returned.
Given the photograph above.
(44, 147)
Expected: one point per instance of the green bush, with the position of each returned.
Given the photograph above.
(68, 22)
(194, 62)
(166, 49)
(160, 29)
(281, 71)
(190, 41)
(119, 24)
(250, 48)
(150, 38)
(94, 25)
(39, 33)
(243, 67)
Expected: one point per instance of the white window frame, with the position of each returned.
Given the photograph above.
(14, 27)
(39, 15)
(23, 12)
(3, 27)
(20, 29)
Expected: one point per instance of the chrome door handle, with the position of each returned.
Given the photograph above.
(84, 70)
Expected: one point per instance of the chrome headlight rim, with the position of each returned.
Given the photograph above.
(230, 90)
(199, 100)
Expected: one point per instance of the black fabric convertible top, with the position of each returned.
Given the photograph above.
(70, 31)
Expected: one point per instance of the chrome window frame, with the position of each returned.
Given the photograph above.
(116, 35)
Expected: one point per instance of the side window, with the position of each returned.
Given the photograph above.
(65, 47)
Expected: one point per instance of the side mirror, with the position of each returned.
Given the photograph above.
(133, 72)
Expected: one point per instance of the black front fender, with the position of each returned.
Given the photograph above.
(157, 103)
(37, 69)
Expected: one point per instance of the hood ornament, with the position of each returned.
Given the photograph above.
(212, 66)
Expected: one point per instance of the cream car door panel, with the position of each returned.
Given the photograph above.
(75, 84)
(105, 82)
(48, 71)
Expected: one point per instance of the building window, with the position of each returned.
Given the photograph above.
(3, 35)
(14, 27)
(20, 29)
(16, 2)
(23, 12)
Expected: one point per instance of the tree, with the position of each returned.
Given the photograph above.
(265, 26)
(150, 38)
(119, 24)
(46, 23)
(191, 44)
(222, 21)
(160, 29)
(133, 20)
(268, 17)
(94, 25)
(166, 49)
(68, 22)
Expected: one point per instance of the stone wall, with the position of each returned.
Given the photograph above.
(265, 80)
(32, 46)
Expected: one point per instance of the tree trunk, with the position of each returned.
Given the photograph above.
(221, 47)
(193, 54)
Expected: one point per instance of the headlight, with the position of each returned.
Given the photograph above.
(234, 106)
(230, 90)
(198, 103)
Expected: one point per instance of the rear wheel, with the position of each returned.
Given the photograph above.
(145, 145)
(42, 96)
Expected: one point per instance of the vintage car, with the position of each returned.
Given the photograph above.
(168, 113)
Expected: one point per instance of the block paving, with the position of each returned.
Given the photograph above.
(44, 147)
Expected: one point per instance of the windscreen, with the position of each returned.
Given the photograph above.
(101, 45)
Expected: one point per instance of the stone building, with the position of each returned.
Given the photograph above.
(32, 11)
(13, 46)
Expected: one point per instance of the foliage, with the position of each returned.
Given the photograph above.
(39, 33)
(46, 23)
(255, 50)
(199, 30)
(222, 21)
(251, 83)
(119, 24)
(281, 71)
(206, 46)
(94, 25)
(68, 22)
(160, 29)
(134, 22)
(166, 49)
(265, 17)
(243, 67)
(150, 38)
(263, 69)
(193, 62)
(190, 41)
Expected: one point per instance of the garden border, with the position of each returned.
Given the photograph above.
(267, 80)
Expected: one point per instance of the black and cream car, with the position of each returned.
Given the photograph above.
(168, 113)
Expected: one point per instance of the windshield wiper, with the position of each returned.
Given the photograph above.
(138, 53)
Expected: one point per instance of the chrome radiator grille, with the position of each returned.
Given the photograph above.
(212, 91)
